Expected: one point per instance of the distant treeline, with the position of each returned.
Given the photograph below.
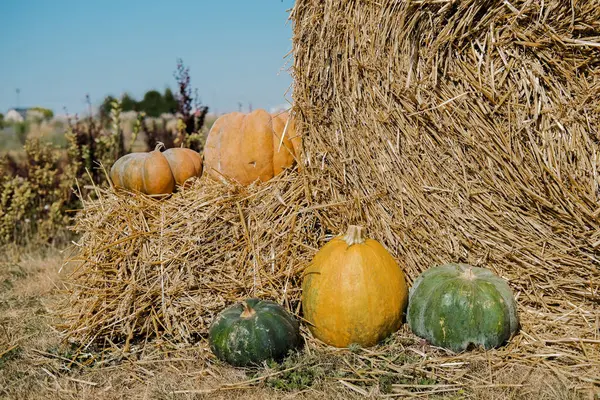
(153, 104)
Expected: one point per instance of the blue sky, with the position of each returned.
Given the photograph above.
(57, 51)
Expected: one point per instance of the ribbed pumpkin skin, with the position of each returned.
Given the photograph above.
(184, 163)
(268, 334)
(245, 147)
(455, 305)
(148, 173)
(353, 293)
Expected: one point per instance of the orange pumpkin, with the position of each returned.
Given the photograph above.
(155, 173)
(353, 291)
(249, 147)
(148, 173)
(184, 163)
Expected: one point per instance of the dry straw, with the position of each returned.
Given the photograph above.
(453, 130)
(149, 268)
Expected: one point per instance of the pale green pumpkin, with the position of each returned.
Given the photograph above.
(456, 305)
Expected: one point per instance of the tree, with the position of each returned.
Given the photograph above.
(152, 103)
(128, 103)
(1, 120)
(170, 102)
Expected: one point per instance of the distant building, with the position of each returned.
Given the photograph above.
(16, 115)
(21, 114)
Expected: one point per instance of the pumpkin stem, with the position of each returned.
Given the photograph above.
(468, 274)
(248, 311)
(159, 145)
(354, 235)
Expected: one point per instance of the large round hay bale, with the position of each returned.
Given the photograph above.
(459, 131)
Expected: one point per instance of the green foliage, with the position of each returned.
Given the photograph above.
(128, 103)
(1, 120)
(297, 372)
(170, 102)
(114, 146)
(46, 113)
(354, 348)
(190, 120)
(192, 112)
(70, 357)
(153, 103)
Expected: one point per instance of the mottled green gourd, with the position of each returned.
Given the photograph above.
(456, 305)
(253, 331)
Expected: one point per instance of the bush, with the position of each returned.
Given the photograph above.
(32, 196)
(38, 194)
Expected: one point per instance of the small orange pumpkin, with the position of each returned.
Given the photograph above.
(353, 291)
(249, 147)
(156, 173)
(184, 163)
(148, 173)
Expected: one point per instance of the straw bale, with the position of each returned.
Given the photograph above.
(471, 127)
(149, 268)
(470, 130)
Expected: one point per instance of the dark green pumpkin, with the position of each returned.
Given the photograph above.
(456, 305)
(253, 331)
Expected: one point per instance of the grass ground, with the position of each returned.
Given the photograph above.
(34, 364)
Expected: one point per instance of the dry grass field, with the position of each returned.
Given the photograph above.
(35, 364)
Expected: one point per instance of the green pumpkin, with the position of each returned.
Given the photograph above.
(253, 331)
(456, 305)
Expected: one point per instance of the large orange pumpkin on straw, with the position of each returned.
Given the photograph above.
(249, 147)
(353, 291)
